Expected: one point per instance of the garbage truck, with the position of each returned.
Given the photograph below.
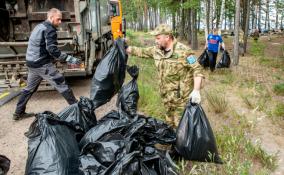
(87, 31)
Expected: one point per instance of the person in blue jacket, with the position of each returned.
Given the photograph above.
(212, 44)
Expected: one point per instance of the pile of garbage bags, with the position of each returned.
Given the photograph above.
(118, 144)
(73, 142)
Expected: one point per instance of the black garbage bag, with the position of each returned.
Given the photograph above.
(157, 162)
(195, 140)
(4, 165)
(89, 165)
(112, 122)
(156, 131)
(81, 115)
(203, 59)
(52, 147)
(225, 60)
(109, 75)
(125, 165)
(128, 96)
(105, 152)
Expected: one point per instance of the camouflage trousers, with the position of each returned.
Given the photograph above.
(174, 105)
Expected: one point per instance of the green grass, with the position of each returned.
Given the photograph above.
(279, 89)
(272, 62)
(150, 101)
(269, 161)
(225, 76)
(217, 101)
(257, 49)
(247, 100)
(278, 111)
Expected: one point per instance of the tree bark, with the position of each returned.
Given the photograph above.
(267, 21)
(236, 38)
(221, 15)
(189, 27)
(206, 19)
(211, 14)
(277, 22)
(199, 18)
(259, 15)
(174, 21)
(145, 26)
(182, 26)
(246, 25)
(194, 42)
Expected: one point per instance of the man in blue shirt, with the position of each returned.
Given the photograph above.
(212, 44)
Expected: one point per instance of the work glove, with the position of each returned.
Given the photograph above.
(72, 60)
(195, 96)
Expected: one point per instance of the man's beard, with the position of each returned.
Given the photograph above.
(161, 47)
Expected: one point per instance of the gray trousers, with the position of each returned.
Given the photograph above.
(49, 73)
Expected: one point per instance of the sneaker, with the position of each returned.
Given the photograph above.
(22, 115)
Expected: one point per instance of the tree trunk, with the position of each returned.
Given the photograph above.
(246, 25)
(206, 19)
(189, 26)
(236, 38)
(211, 14)
(259, 15)
(221, 15)
(182, 24)
(225, 23)
(194, 42)
(160, 17)
(281, 22)
(277, 22)
(252, 18)
(174, 21)
(267, 21)
(145, 27)
(199, 17)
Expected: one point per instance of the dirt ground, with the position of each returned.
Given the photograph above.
(13, 143)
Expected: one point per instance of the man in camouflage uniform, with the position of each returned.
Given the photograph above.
(178, 71)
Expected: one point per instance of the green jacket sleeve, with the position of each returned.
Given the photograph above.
(142, 52)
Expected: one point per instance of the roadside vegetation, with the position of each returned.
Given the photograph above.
(228, 98)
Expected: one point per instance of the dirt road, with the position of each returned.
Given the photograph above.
(13, 143)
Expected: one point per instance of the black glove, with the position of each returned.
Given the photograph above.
(73, 60)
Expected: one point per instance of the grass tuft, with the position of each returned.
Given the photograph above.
(279, 89)
(278, 110)
(217, 101)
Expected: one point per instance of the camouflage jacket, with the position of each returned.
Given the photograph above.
(175, 73)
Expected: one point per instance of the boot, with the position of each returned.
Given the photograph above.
(69, 97)
(23, 115)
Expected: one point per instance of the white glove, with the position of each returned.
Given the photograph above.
(195, 96)
(72, 60)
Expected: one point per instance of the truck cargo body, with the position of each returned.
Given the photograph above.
(85, 32)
